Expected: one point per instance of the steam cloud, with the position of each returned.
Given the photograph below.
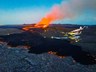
(72, 9)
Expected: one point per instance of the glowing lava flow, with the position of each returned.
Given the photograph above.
(58, 12)
(54, 15)
(44, 23)
(26, 28)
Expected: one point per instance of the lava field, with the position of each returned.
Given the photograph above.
(38, 45)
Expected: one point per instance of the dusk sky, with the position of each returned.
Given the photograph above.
(32, 11)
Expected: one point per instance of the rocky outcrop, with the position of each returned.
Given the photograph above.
(19, 60)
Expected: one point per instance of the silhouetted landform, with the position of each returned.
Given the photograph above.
(39, 45)
(51, 25)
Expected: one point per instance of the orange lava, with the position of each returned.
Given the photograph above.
(26, 28)
(55, 53)
(44, 23)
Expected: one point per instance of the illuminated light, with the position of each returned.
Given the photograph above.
(45, 30)
(44, 36)
(55, 53)
(63, 32)
(52, 37)
(74, 61)
(25, 28)
(44, 23)
(9, 46)
(8, 34)
(61, 56)
(50, 52)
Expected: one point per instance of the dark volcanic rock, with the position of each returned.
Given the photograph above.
(88, 40)
(77, 57)
(18, 60)
(41, 45)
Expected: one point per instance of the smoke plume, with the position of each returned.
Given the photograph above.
(71, 9)
(68, 9)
